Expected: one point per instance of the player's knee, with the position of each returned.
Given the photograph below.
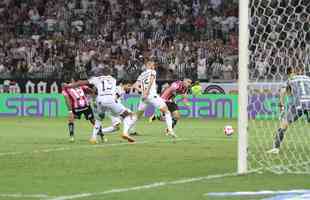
(176, 115)
(164, 109)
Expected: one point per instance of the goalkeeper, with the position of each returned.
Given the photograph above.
(298, 90)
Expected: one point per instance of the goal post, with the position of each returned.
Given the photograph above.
(243, 85)
(274, 38)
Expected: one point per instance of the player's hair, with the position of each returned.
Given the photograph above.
(106, 71)
(290, 70)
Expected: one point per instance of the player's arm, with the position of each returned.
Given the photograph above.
(77, 84)
(147, 91)
(69, 105)
(137, 86)
(283, 93)
(185, 99)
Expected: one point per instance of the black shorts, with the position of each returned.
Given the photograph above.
(172, 106)
(87, 111)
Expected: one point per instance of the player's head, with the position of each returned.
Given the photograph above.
(187, 82)
(151, 64)
(290, 71)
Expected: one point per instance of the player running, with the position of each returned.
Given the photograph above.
(105, 101)
(78, 105)
(121, 89)
(146, 84)
(168, 95)
(298, 89)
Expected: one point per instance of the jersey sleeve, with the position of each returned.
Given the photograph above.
(174, 86)
(65, 92)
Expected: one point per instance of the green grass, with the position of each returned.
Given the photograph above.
(68, 169)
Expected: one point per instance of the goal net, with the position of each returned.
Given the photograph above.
(279, 38)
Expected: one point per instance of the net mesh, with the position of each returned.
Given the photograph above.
(279, 39)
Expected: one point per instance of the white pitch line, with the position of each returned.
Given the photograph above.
(257, 193)
(38, 196)
(143, 187)
(97, 146)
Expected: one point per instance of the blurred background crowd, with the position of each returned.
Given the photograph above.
(53, 38)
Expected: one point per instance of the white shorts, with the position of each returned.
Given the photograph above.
(154, 100)
(108, 103)
(115, 120)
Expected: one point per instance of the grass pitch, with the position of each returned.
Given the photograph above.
(38, 162)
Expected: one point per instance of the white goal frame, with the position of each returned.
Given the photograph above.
(243, 85)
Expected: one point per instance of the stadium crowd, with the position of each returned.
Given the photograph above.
(52, 38)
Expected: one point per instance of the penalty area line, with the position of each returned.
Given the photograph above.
(144, 187)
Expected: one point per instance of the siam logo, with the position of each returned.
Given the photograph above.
(30, 106)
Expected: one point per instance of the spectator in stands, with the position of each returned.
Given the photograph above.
(170, 31)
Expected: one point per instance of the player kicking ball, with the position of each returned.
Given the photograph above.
(78, 105)
(298, 89)
(168, 95)
(146, 84)
(121, 89)
(105, 101)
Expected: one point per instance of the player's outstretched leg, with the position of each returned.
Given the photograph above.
(175, 119)
(129, 122)
(96, 130)
(71, 126)
(168, 119)
(71, 131)
(279, 136)
(111, 129)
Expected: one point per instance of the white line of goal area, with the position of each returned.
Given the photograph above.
(101, 146)
(143, 187)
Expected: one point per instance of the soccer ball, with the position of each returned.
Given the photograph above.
(228, 130)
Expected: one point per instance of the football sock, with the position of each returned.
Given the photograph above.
(174, 122)
(71, 128)
(128, 121)
(279, 137)
(109, 129)
(168, 120)
(96, 129)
